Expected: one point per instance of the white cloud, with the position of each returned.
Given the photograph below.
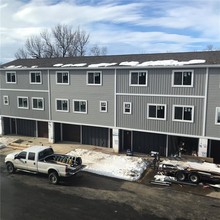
(117, 24)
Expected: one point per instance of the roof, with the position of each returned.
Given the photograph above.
(157, 59)
(36, 148)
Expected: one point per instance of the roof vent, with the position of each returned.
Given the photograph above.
(35, 56)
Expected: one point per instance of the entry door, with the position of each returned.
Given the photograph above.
(127, 140)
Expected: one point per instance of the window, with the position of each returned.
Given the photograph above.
(103, 106)
(80, 106)
(94, 78)
(37, 103)
(35, 77)
(63, 77)
(138, 78)
(156, 111)
(5, 100)
(22, 155)
(23, 102)
(31, 156)
(183, 113)
(183, 78)
(127, 108)
(62, 105)
(10, 77)
(217, 116)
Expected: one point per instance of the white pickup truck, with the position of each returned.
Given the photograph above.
(41, 159)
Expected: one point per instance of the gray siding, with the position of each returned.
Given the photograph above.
(213, 101)
(78, 89)
(29, 90)
(160, 82)
(13, 110)
(23, 80)
(138, 118)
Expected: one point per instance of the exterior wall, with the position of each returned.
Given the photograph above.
(138, 118)
(213, 101)
(159, 90)
(22, 87)
(13, 110)
(23, 80)
(159, 81)
(78, 89)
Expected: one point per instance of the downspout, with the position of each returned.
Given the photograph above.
(115, 101)
(205, 102)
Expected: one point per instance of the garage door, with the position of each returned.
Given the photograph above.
(95, 136)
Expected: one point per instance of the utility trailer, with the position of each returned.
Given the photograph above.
(190, 174)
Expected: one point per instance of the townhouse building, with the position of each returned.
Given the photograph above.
(142, 102)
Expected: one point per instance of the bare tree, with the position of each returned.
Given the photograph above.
(21, 53)
(60, 41)
(35, 46)
(210, 47)
(78, 48)
(49, 49)
(98, 51)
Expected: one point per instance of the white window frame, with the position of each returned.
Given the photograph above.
(35, 77)
(5, 100)
(59, 99)
(22, 97)
(182, 71)
(183, 106)
(124, 108)
(216, 115)
(80, 100)
(93, 84)
(39, 98)
(106, 106)
(6, 78)
(62, 83)
(156, 105)
(138, 71)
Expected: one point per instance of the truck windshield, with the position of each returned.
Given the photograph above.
(45, 153)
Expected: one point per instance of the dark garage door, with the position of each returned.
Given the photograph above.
(42, 129)
(215, 151)
(147, 142)
(95, 136)
(26, 127)
(71, 133)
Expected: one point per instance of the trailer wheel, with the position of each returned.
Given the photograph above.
(180, 175)
(53, 177)
(194, 177)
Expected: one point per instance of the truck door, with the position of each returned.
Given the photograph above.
(31, 162)
(21, 161)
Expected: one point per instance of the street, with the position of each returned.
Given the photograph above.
(89, 196)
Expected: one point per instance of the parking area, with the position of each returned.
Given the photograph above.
(21, 142)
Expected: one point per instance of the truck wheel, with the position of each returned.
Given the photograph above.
(180, 175)
(53, 178)
(10, 167)
(194, 177)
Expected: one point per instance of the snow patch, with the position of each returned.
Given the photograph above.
(12, 66)
(130, 63)
(74, 65)
(34, 66)
(171, 62)
(79, 64)
(102, 64)
(58, 65)
(116, 166)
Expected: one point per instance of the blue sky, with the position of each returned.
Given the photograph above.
(124, 27)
